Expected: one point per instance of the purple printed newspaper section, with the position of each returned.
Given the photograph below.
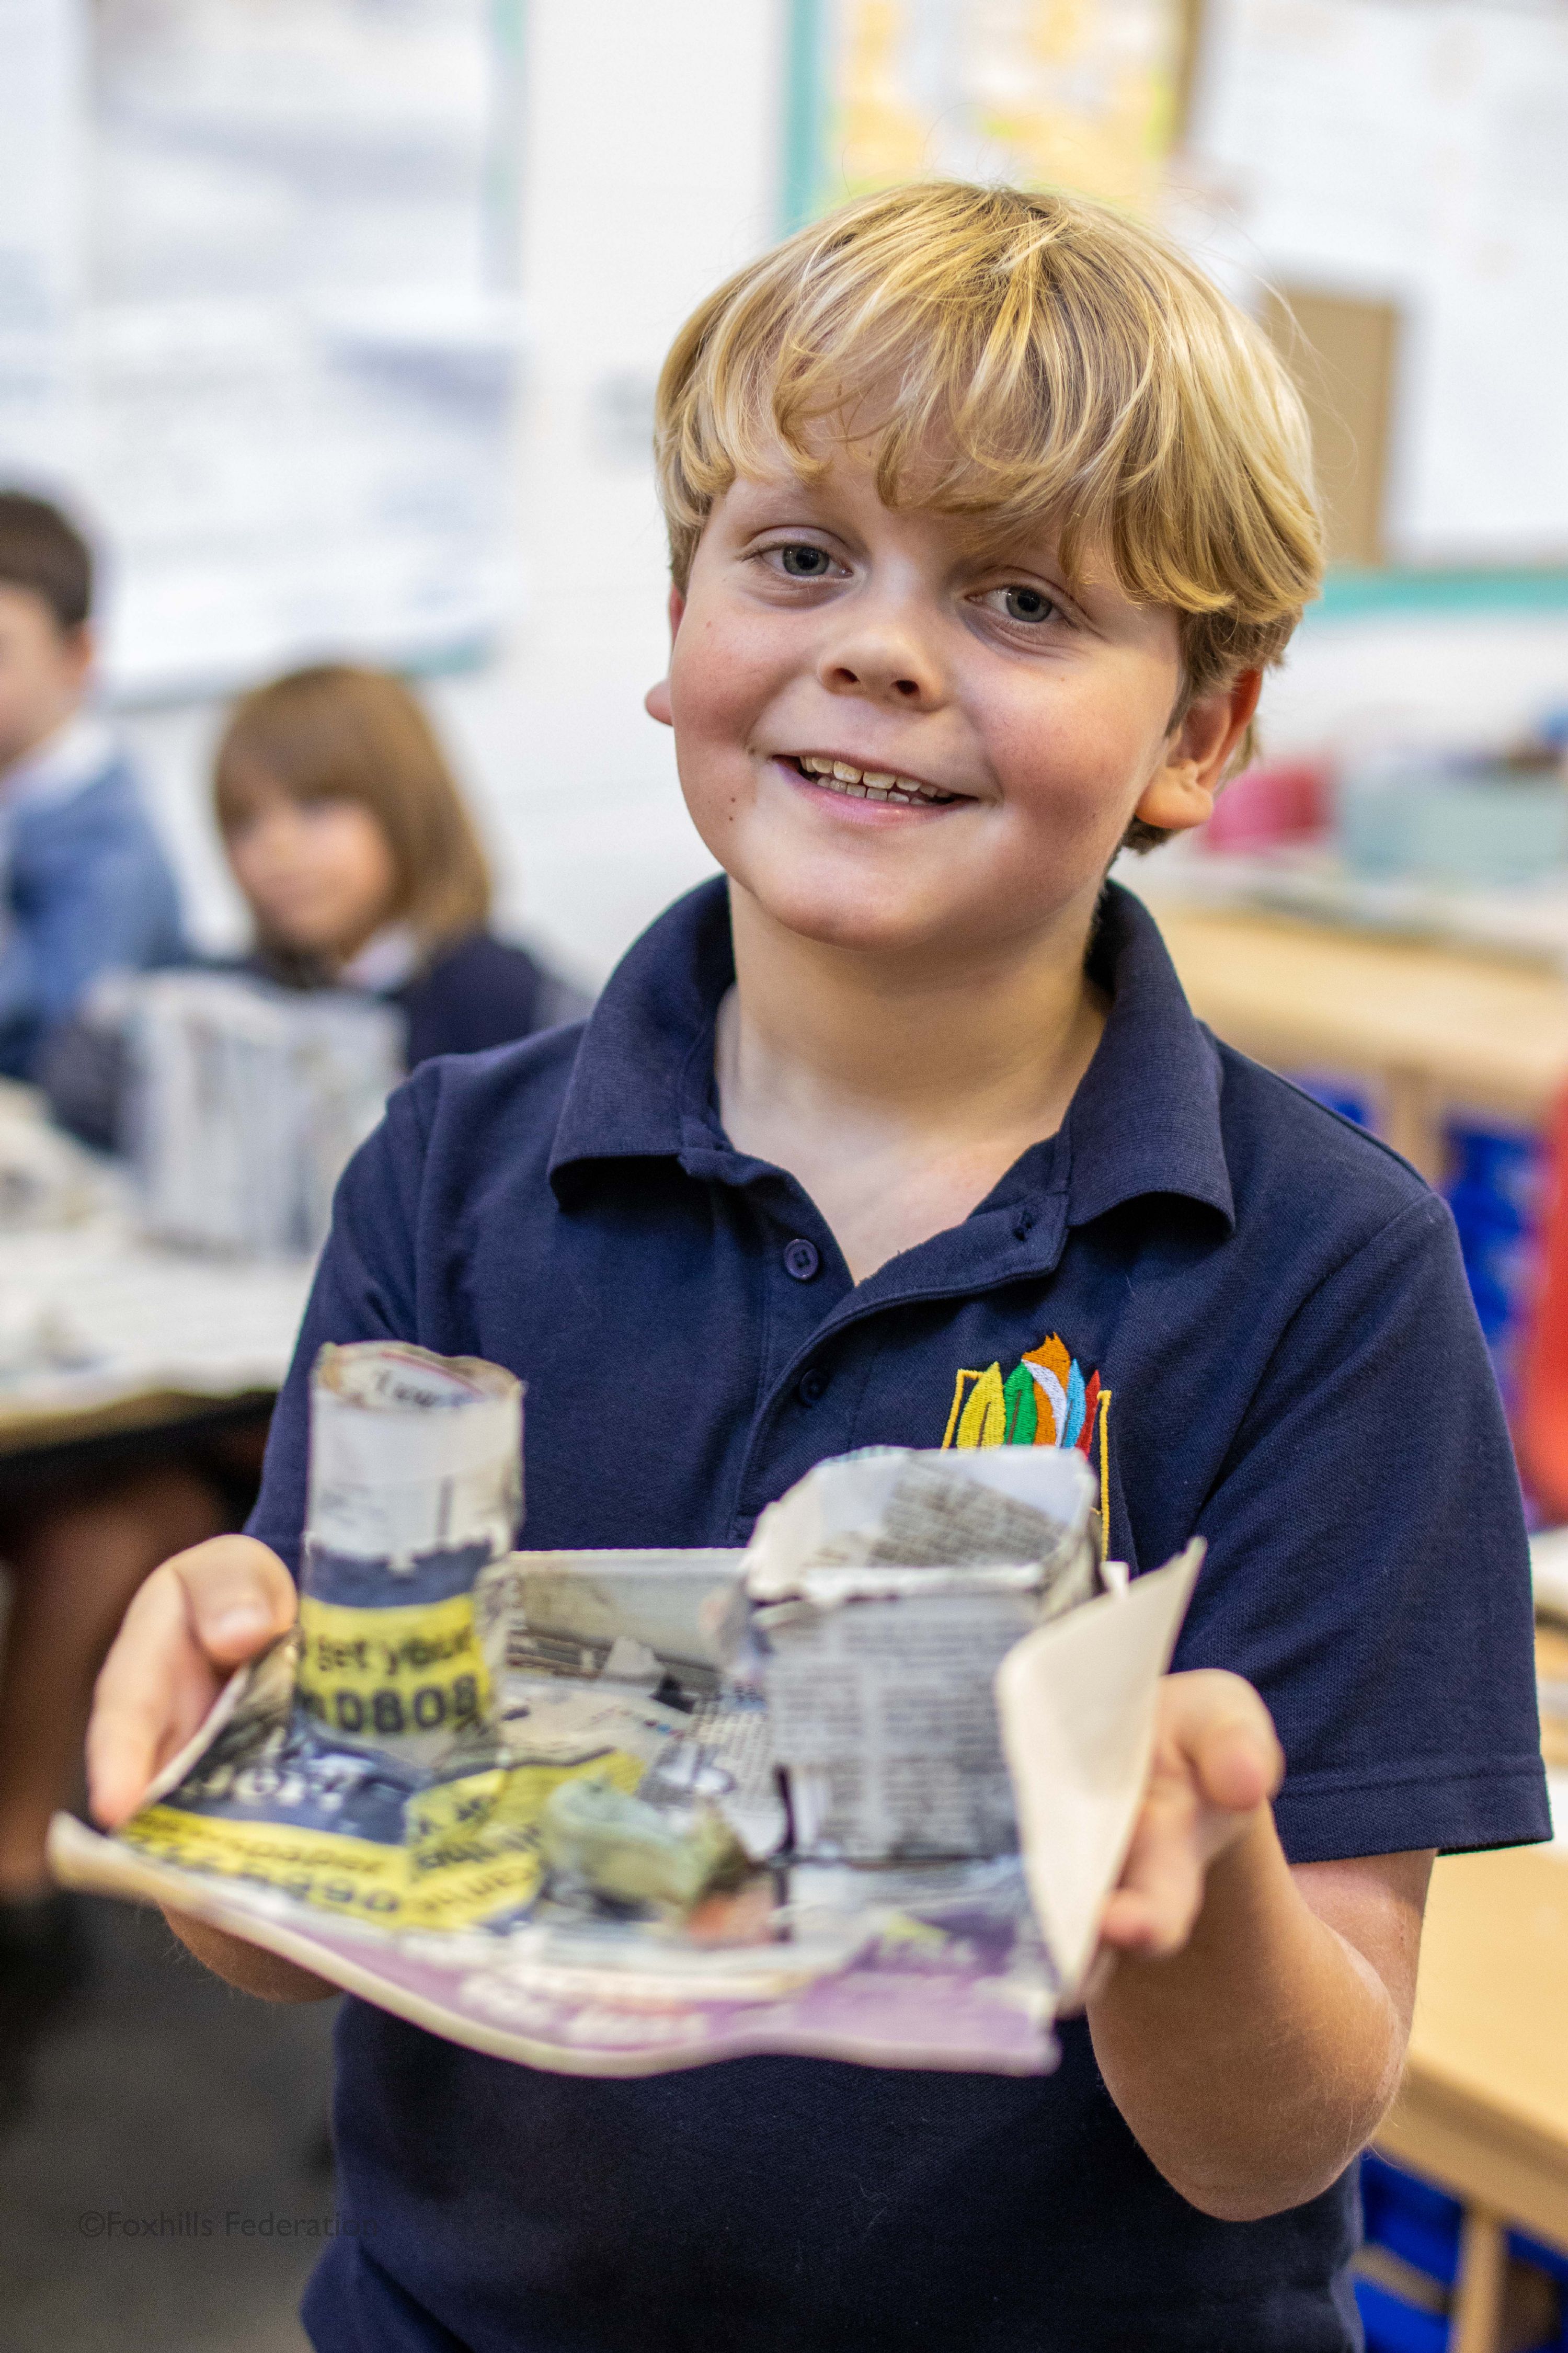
(892, 2014)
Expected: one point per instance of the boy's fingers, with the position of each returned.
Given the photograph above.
(1219, 1756)
(1096, 1984)
(238, 1595)
(195, 1618)
(1161, 1886)
(1226, 1735)
(137, 1697)
(1155, 1921)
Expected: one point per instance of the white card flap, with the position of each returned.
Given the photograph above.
(1077, 1701)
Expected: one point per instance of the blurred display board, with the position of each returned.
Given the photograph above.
(1343, 352)
(1407, 160)
(255, 317)
(1392, 173)
(41, 192)
(1080, 93)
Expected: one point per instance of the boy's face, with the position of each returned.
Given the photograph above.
(1030, 719)
(43, 671)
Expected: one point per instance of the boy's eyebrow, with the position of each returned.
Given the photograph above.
(978, 540)
(785, 486)
(1032, 551)
(1008, 539)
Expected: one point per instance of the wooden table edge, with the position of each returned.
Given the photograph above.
(1479, 2153)
(38, 1430)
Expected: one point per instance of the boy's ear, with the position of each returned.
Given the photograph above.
(1180, 792)
(656, 702)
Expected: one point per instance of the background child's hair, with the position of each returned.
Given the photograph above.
(1029, 355)
(41, 550)
(339, 733)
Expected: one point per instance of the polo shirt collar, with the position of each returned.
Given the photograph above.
(1145, 1119)
(630, 1090)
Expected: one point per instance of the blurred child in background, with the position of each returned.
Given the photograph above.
(84, 885)
(349, 839)
(357, 860)
(347, 835)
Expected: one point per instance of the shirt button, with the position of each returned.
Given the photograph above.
(801, 1260)
(812, 1385)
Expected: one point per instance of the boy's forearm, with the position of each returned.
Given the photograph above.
(266, 1975)
(1254, 2064)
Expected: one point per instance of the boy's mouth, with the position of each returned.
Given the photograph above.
(836, 775)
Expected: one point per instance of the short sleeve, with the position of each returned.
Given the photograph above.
(364, 1290)
(1368, 1569)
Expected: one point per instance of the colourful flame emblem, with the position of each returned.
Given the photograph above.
(1044, 1401)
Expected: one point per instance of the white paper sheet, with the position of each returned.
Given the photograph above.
(1077, 1700)
(91, 1314)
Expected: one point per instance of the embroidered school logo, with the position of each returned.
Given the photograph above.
(1044, 1401)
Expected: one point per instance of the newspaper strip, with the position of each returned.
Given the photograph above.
(887, 1589)
(416, 1488)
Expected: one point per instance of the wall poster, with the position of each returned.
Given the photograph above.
(256, 319)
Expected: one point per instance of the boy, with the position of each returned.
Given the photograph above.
(986, 512)
(84, 886)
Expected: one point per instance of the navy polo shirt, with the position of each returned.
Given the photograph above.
(1276, 1306)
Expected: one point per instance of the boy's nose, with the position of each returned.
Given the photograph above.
(887, 665)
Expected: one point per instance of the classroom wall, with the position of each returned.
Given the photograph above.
(650, 168)
(1466, 679)
(650, 171)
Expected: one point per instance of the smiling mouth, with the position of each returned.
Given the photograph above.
(869, 784)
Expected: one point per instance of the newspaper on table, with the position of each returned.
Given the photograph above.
(247, 1102)
(859, 1791)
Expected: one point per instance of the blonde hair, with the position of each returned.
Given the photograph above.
(340, 732)
(1033, 354)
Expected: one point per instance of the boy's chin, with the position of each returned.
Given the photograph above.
(858, 920)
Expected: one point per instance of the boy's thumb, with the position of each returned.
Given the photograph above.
(1231, 1740)
(238, 1596)
(1239, 1765)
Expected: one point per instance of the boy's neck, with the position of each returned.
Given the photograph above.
(899, 1091)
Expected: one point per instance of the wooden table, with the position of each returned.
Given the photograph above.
(1484, 2108)
(138, 1338)
(26, 1435)
(1430, 1030)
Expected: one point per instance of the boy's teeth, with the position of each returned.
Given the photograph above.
(866, 784)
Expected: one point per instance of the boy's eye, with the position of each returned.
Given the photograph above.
(801, 562)
(1028, 604)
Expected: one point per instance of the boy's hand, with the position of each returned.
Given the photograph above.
(1217, 1761)
(1249, 2017)
(196, 1619)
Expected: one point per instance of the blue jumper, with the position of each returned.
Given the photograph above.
(85, 889)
